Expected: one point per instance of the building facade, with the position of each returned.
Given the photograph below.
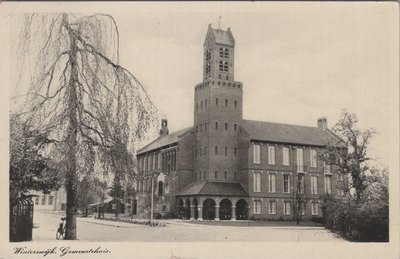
(54, 201)
(225, 167)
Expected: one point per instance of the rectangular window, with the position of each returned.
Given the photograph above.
(314, 208)
(285, 155)
(257, 207)
(226, 126)
(50, 201)
(313, 158)
(226, 102)
(286, 183)
(286, 207)
(235, 151)
(216, 125)
(216, 101)
(216, 150)
(328, 184)
(114, 206)
(235, 104)
(256, 154)
(235, 127)
(300, 183)
(299, 159)
(272, 182)
(314, 184)
(272, 207)
(271, 155)
(37, 201)
(44, 200)
(257, 181)
(226, 151)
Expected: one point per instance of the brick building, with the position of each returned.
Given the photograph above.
(225, 167)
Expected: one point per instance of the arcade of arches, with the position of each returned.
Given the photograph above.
(212, 208)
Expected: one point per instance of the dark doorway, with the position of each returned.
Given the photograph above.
(187, 209)
(241, 209)
(134, 207)
(225, 209)
(181, 209)
(196, 212)
(209, 209)
(160, 188)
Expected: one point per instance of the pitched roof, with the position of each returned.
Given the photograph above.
(213, 188)
(164, 141)
(293, 134)
(223, 37)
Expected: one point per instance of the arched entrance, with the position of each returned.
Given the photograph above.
(181, 209)
(241, 209)
(187, 209)
(196, 212)
(209, 209)
(225, 209)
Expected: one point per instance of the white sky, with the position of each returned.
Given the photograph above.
(297, 61)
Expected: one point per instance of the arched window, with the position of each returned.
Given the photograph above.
(216, 150)
(216, 101)
(226, 174)
(216, 174)
(216, 125)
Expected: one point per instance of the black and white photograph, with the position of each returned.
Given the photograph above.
(200, 130)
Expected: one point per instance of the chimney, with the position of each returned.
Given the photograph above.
(322, 123)
(164, 128)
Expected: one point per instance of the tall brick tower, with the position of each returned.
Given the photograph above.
(217, 111)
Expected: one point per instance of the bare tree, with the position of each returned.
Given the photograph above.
(299, 198)
(92, 109)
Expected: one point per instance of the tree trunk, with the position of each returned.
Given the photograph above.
(71, 177)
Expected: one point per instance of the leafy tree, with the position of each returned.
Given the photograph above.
(81, 97)
(29, 169)
(360, 212)
(352, 161)
(90, 190)
(117, 192)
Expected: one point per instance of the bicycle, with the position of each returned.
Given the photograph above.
(61, 229)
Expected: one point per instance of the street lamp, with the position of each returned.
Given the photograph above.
(152, 197)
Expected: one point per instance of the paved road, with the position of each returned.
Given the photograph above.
(176, 231)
